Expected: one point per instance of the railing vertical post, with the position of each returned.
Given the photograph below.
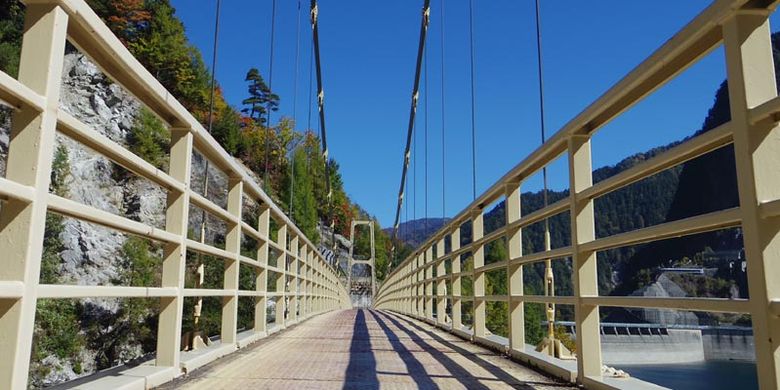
(419, 291)
(261, 275)
(296, 253)
(429, 264)
(441, 284)
(175, 254)
(515, 271)
(304, 281)
(457, 281)
(410, 288)
(751, 81)
(318, 285)
(22, 224)
(232, 266)
(585, 275)
(409, 291)
(478, 277)
(281, 280)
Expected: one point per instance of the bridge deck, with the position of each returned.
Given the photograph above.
(364, 349)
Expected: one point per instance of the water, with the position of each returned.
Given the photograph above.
(709, 375)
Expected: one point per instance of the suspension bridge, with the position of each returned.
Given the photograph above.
(423, 330)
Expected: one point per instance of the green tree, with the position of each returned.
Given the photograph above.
(304, 207)
(260, 99)
(149, 138)
(11, 26)
(161, 45)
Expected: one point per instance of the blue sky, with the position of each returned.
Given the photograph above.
(368, 50)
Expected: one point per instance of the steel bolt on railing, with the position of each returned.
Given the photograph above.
(314, 286)
(743, 28)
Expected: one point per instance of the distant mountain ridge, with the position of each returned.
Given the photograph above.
(415, 232)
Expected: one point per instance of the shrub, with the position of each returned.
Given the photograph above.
(149, 138)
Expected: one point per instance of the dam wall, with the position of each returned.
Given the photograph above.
(728, 344)
(671, 346)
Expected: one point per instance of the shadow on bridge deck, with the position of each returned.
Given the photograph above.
(364, 349)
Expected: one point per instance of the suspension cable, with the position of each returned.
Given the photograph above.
(473, 105)
(297, 62)
(201, 269)
(549, 280)
(426, 12)
(540, 73)
(295, 105)
(321, 107)
(270, 84)
(311, 71)
(425, 175)
(414, 170)
(443, 180)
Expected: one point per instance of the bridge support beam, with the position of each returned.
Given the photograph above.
(22, 223)
(751, 80)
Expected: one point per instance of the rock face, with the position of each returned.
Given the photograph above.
(92, 254)
(665, 287)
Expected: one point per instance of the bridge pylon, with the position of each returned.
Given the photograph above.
(361, 286)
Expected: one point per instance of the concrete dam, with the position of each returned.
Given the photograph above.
(666, 344)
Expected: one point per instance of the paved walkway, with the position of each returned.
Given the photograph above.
(364, 349)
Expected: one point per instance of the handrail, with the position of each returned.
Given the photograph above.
(742, 27)
(305, 282)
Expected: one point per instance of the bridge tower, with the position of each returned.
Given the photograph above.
(362, 285)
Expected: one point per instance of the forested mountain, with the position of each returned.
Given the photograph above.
(415, 232)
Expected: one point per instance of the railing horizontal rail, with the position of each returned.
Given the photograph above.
(87, 136)
(208, 292)
(212, 208)
(11, 290)
(767, 110)
(699, 304)
(67, 291)
(18, 95)
(770, 209)
(688, 150)
(86, 213)
(13, 190)
(557, 299)
(692, 225)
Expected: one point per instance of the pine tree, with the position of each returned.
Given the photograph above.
(260, 99)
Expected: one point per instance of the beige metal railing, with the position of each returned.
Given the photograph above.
(306, 282)
(743, 28)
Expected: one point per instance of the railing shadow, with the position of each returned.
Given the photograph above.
(361, 370)
(413, 366)
(462, 374)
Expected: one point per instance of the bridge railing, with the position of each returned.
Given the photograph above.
(743, 28)
(304, 280)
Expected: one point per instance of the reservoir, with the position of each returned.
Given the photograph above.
(706, 375)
